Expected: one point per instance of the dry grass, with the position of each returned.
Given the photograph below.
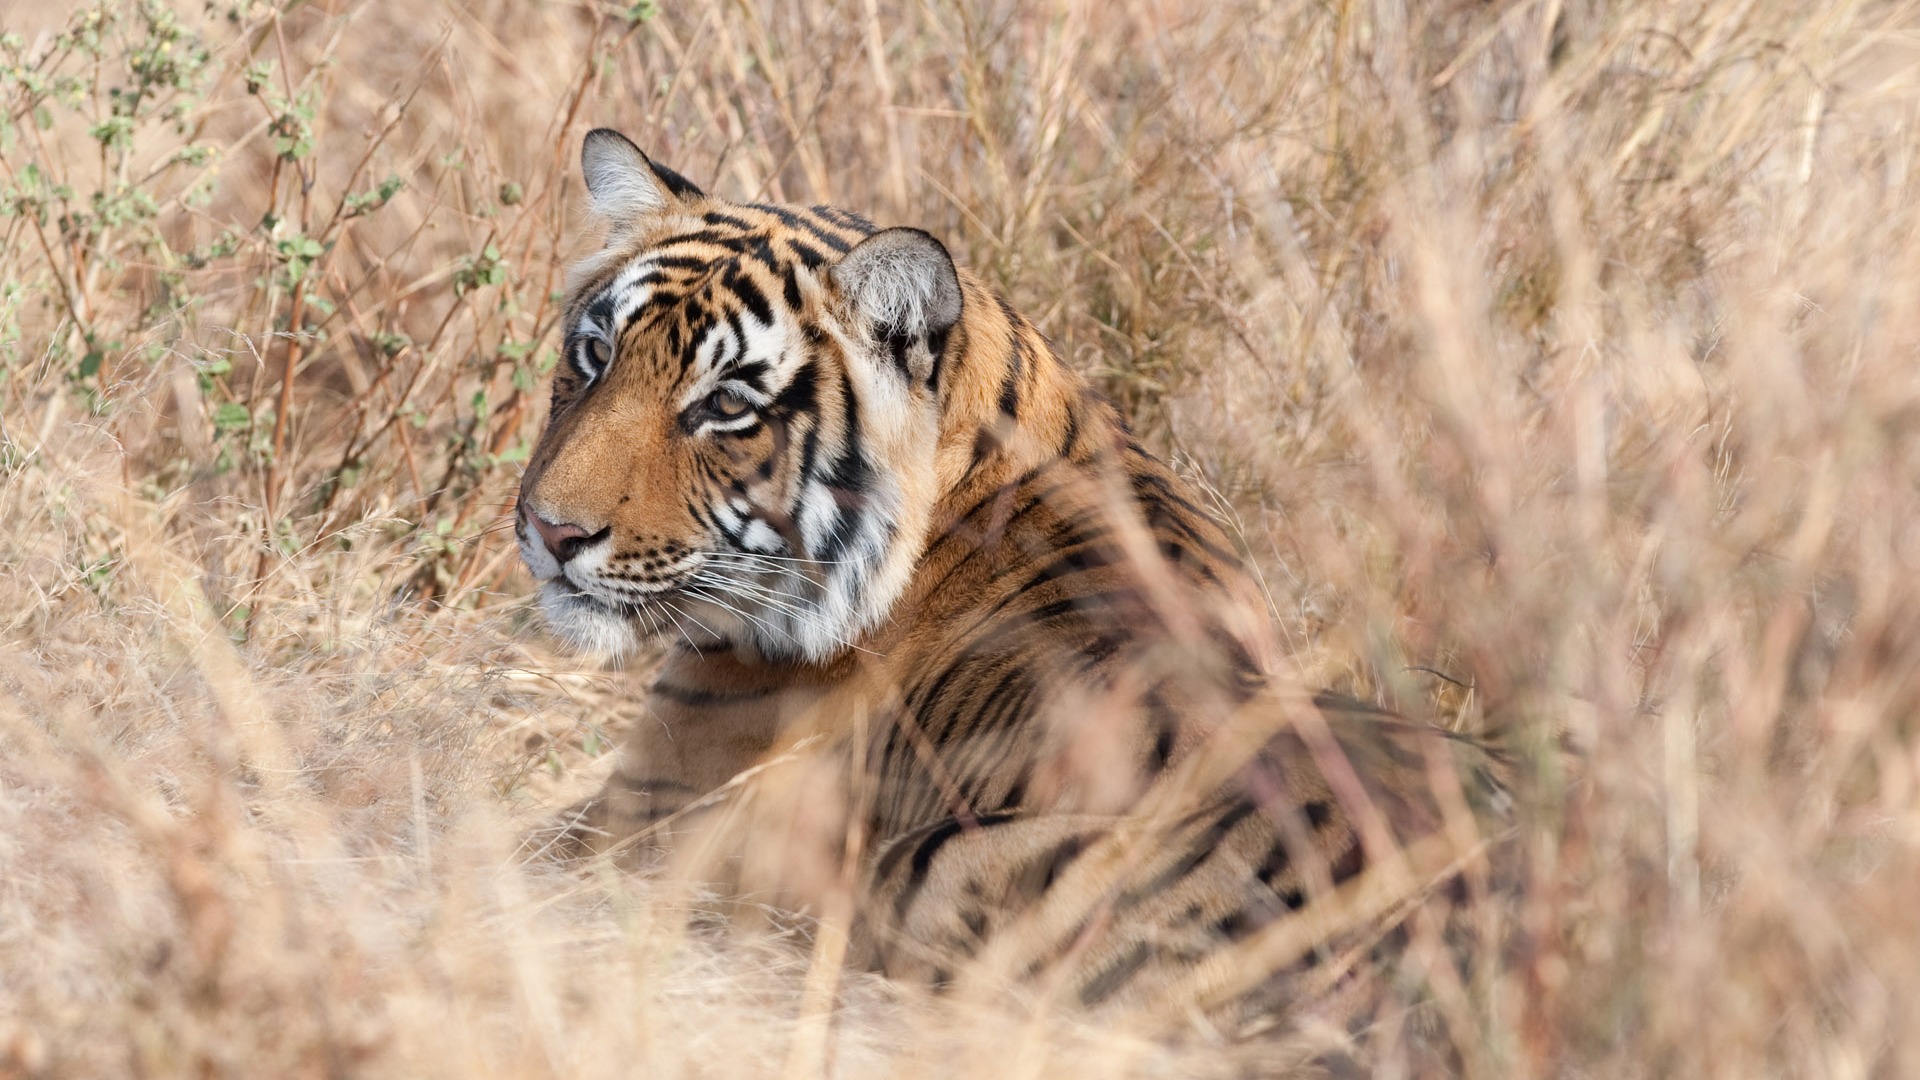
(1558, 360)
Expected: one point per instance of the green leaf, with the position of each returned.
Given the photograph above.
(230, 416)
(367, 202)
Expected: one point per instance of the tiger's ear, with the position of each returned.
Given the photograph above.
(623, 185)
(903, 283)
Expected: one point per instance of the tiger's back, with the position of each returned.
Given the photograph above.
(938, 613)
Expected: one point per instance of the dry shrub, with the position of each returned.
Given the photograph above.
(1555, 362)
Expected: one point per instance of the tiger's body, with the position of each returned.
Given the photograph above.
(1004, 661)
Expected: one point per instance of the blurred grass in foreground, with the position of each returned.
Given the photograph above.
(1557, 362)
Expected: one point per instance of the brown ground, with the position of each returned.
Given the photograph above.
(1560, 376)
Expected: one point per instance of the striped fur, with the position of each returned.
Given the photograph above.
(924, 588)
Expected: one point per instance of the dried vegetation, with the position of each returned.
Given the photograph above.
(1556, 360)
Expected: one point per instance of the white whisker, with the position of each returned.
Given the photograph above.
(754, 590)
(753, 565)
(710, 598)
(803, 615)
(668, 610)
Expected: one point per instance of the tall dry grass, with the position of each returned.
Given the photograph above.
(1558, 361)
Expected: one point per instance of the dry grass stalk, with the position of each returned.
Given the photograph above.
(1555, 359)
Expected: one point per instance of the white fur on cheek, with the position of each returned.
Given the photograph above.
(581, 623)
(585, 625)
(540, 562)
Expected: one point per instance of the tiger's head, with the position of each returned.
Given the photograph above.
(742, 441)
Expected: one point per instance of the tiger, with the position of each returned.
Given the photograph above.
(1018, 678)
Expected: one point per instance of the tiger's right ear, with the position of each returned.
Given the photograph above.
(623, 185)
(903, 283)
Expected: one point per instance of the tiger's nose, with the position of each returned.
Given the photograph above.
(563, 539)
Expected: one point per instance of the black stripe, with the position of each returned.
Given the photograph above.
(1072, 438)
(716, 217)
(845, 218)
(809, 452)
(1116, 974)
(986, 502)
(1165, 725)
(644, 311)
(851, 470)
(1034, 877)
(809, 256)
(680, 262)
(700, 515)
(800, 395)
(1010, 394)
(952, 533)
(1164, 491)
(1160, 519)
(1017, 791)
(1084, 558)
(750, 294)
(1008, 725)
(1016, 368)
(898, 344)
(984, 442)
(981, 738)
(754, 373)
(1013, 316)
(730, 241)
(1046, 613)
(928, 847)
(1196, 853)
(800, 221)
(1326, 701)
(676, 183)
(937, 345)
(920, 700)
(1060, 568)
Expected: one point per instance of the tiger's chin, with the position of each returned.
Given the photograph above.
(587, 624)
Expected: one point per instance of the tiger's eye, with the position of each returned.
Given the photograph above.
(601, 351)
(728, 405)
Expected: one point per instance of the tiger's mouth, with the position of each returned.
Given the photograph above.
(595, 623)
(774, 604)
(634, 604)
(712, 603)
